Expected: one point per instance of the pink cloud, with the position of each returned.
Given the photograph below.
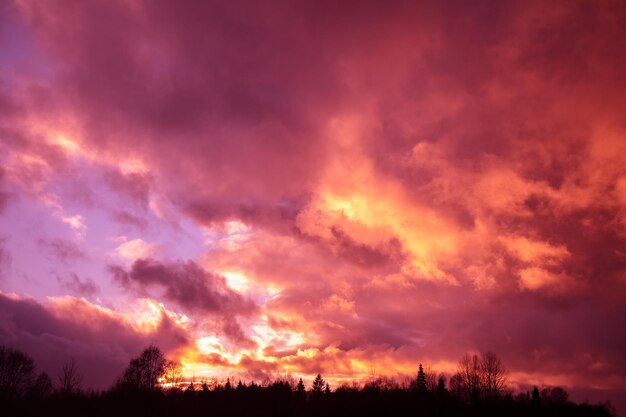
(63, 250)
(134, 249)
(101, 341)
(84, 287)
(410, 181)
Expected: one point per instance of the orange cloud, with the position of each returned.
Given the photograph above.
(337, 201)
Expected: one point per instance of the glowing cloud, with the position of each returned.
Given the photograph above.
(134, 249)
(267, 188)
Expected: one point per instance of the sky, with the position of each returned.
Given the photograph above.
(294, 187)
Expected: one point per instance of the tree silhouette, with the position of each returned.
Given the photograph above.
(173, 374)
(144, 373)
(42, 387)
(300, 394)
(554, 396)
(300, 386)
(470, 377)
(70, 379)
(318, 384)
(16, 372)
(536, 400)
(480, 377)
(493, 375)
(420, 383)
(441, 386)
(382, 396)
(456, 386)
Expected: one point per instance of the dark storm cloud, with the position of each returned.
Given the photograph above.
(185, 284)
(101, 342)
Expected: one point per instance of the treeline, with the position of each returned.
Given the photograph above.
(153, 386)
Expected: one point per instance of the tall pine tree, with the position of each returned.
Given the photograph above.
(318, 384)
(420, 383)
(300, 394)
(300, 387)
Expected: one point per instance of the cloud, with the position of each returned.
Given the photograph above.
(102, 341)
(185, 284)
(64, 250)
(4, 195)
(127, 218)
(135, 249)
(415, 180)
(530, 251)
(4, 199)
(5, 258)
(133, 185)
(194, 290)
(84, 287)
(535, 278)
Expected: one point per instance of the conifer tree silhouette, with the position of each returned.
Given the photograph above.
(318, 384)
(420, 383)
(536, 400)
(441, 386)
(300, 386)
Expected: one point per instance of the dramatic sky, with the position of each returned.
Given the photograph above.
(293, 187)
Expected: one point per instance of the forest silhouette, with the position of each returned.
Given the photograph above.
(152, 385)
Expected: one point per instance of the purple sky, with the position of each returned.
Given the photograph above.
(350, 188)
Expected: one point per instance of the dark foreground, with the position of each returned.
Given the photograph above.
(280, 399)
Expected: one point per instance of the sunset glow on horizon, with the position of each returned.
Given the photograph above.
(279, 188)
